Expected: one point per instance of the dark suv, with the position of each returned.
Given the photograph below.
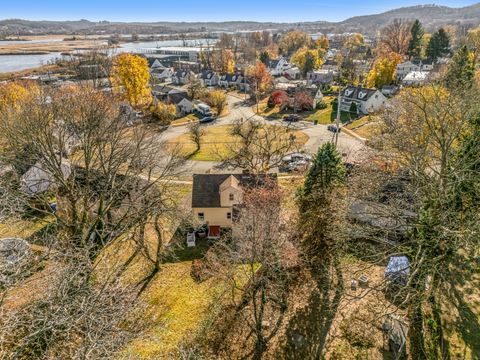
(291, 118)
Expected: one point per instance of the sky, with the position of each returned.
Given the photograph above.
(203, 10)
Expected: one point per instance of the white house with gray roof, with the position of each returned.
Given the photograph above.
(278, 67)
(367, 100)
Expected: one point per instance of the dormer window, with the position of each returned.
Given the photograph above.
(231, 197)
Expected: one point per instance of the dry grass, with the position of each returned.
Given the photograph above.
(215, 143)
(58, 46)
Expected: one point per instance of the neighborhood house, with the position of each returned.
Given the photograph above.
(367, 100)
(216, 197)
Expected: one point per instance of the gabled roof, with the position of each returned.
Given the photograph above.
(272, 64)
(162, 89)
(181, 73)
(178, 97)
(207, 74)
(206, 187)
(358, 93)
(230, 77)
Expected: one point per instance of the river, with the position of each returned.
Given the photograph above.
(11, 63)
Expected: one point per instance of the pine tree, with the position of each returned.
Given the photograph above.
(417, 32)
(264, 57)
(353, 109)
(439, 45)
(461, 71)
(327, 169)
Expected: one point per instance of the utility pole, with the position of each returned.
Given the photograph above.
(337, 122)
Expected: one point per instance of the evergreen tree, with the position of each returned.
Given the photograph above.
(417, 32)
(309, 64)
(264, 57)
(461, 71)
(319, 208)
(327, 169)
(439, 45)
(353, 109)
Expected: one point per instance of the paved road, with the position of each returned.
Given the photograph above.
(349, 146)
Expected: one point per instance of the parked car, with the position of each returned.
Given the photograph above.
(333, 128)
(207, 119)
(295, 162)
(300, 165)
(291, 118)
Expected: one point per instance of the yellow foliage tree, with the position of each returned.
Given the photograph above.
(307, 59)
(164, 113)
(218, 99)
(130, 76)
(384, 70)
(223, 60)
(13, 93)
(294, 40)
(322, 43)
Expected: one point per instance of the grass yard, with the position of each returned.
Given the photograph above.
(177, 306)
(185, 120)
(366, 126)
(322, 116)
(215, 144)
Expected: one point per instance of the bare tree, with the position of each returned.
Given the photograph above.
(256, 263)
(259, 147)
(110, 185)
(196, 133)
(395, 37)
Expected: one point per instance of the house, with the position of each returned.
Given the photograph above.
(230, 80)
(330, 65)
(367, 100)
(182, 77)
(278, 67)
(390, 90)
(39, 179)
(155, 63)
(162, 74)
(321, 76)
(209, 78)
(216, 197)
(182, 101)
(161, 92)
(292, 73)
(415, 78)
(407, 67)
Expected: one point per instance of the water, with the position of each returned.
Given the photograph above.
(10, 63)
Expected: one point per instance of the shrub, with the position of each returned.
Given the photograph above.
(321, 105)
(278, 98)
(164, 113)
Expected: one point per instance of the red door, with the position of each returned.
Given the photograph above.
(214, 231)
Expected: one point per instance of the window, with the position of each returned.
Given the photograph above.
(229, 215)
(201, 216)
(231, 197)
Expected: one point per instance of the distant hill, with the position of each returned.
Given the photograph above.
(432, 16)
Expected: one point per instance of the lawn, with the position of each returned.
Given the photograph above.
(215, 143)
(366, 126)
(322, 116)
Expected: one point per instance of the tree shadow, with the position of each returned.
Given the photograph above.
(307, 331)
(467, 323)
